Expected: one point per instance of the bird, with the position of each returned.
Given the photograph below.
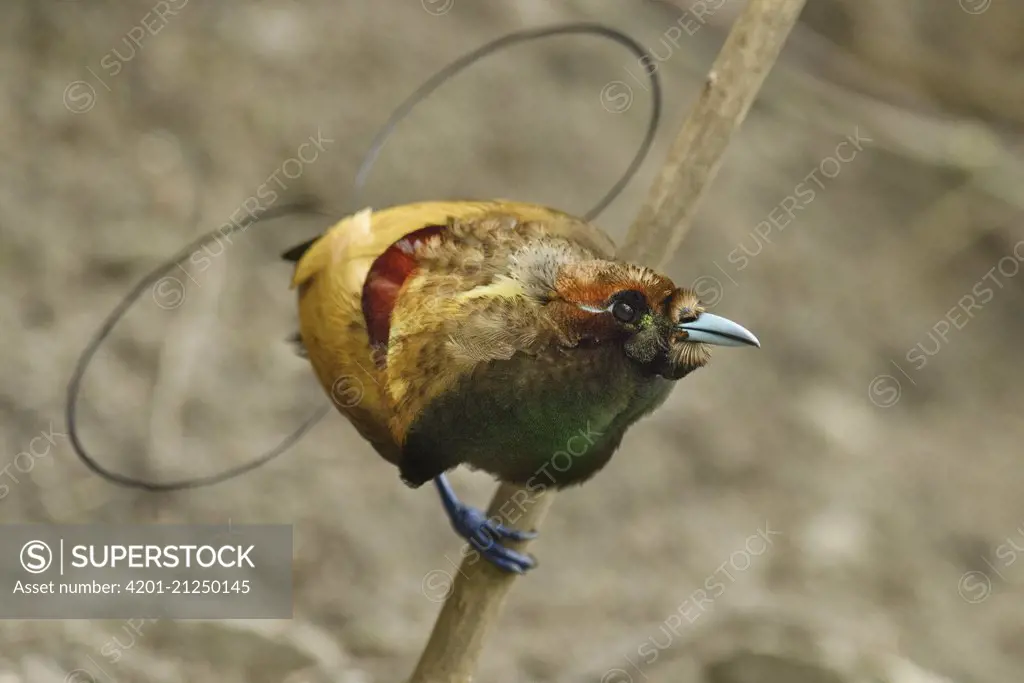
(500, 335)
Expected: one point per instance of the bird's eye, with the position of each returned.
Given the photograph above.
(629, 306)
(623, 312)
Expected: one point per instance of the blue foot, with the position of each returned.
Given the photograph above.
(483, 534)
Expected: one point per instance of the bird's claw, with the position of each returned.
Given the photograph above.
(484, 535)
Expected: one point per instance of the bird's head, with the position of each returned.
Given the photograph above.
(662, 328)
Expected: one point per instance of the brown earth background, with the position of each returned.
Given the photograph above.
(884, 457)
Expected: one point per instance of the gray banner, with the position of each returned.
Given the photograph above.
(145, 571)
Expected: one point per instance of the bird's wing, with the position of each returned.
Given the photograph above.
(330, 275)
(477, 298)
(470, 318)
(333, 331)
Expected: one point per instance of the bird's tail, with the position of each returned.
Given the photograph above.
(294, 255)
(300, 348)
(296, 252)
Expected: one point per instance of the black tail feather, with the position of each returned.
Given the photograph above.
(296, 252)
(300, 348)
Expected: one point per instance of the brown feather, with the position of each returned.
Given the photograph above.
(461, 306)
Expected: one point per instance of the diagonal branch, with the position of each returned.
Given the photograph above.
(735, 78)
(479, 591)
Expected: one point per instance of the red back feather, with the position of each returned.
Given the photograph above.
(385, 279)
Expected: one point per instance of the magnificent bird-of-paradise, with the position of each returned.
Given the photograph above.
(490, 334)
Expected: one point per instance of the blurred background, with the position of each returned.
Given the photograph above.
(842, 506)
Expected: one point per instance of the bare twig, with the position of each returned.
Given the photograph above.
(749, 52)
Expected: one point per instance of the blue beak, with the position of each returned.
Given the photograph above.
(714, 329)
